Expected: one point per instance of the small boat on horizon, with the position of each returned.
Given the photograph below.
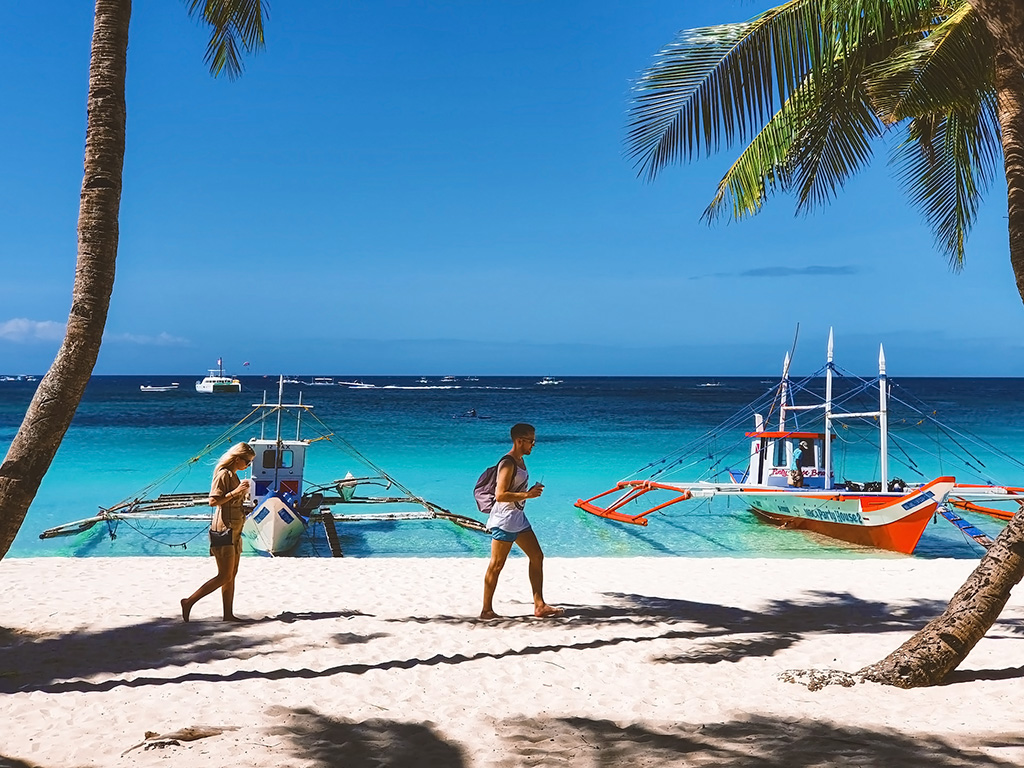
(321, 381)
(217, 382)
(166, 388)
(548, 380)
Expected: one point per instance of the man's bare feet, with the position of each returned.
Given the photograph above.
(186, 609)
(489, 615)
(546, 611)
(238, 619)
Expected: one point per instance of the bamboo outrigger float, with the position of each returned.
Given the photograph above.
(284, 506)
(789, 481)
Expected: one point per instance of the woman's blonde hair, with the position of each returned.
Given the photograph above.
(236, 451)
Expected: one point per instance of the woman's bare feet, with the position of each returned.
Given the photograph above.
(186, 609)
(546, 611)
(489, 615)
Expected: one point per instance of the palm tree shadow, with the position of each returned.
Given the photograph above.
(31, 661)
(323, 741)
(10, 762)
(976, 675)
(755, 742)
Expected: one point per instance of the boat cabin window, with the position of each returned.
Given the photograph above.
(271, 459)
(780, 459)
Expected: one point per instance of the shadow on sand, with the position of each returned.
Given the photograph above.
(756, 742)
(31, 661)
(58, 663)
(378, 742)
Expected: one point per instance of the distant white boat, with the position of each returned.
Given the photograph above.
(448, 378)
(167, 388)
(710, 384)
(321, 381)
(294, 381)
(357, 385)
(549, 380)
(218, 382)
(422, 380)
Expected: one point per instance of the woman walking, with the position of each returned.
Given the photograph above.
(227, 495)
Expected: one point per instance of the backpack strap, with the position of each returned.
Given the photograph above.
(515, 468)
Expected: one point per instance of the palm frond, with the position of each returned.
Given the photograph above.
(838, 127)
(234, 25)
(717, 84)
(759, 170)
(945, 163)
(941, 72)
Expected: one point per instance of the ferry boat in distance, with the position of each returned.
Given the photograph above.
(322, 381)
(216, 381)
(549, 380)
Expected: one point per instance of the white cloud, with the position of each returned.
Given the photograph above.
(162, 339)
(24, 331)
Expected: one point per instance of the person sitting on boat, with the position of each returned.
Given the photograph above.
(227, 496)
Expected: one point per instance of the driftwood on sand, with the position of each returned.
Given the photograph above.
(156, 740)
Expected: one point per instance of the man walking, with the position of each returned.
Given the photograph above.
(508, 524)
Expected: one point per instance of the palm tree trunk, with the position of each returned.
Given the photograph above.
(930, 655)
(1005, 20)
(56, 400)
(1010, 96)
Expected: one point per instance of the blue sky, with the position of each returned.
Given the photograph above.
(441, 188)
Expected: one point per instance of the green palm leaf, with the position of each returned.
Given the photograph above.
(234, 24)
(715, 84)
(945, 163)
(945, 70)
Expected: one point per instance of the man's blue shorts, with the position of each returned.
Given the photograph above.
(500, 534)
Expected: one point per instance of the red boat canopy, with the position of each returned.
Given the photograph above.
(798, 435)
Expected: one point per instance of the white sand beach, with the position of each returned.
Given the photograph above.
(658, 661)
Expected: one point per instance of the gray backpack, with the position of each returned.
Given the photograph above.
(484, 489)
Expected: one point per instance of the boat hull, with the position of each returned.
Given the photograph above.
(273, 528)
(890, 521)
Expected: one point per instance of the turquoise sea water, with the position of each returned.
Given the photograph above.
(591, 432)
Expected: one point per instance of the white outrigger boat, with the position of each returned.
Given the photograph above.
(284, 506)
(789, 479)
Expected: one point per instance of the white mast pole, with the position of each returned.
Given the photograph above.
(828, 413)
(280, 399)
(298, 418)
(883, 418)
(783, 392)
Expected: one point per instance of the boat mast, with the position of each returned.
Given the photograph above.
(263, 417)
(883, 419)
(828, 413)
(298, 419)
(280, 400)
(783, 390)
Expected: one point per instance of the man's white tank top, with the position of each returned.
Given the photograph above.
(510, 515)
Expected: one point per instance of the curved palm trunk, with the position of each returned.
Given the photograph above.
(55, 401)
(938, 649)
(1010, 95)
(1005, 20)
(930, 655)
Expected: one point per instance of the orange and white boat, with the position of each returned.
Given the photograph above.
(789, 480)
